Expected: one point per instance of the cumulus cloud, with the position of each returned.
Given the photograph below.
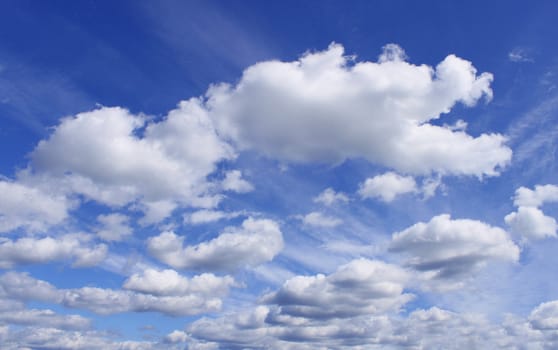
(432, 328)
(448, 250)
(29, 207)
(329, 197)
(525, 197)
(320, 108)
(529, 221)
(387, 186)
(318, 219)
(170, 282)
(77, 248)
(233, 181)
(114, 227)
(545, 316)
(157, 211)
(255, 242)
(114, 157)
(179, 297)
(360, 287)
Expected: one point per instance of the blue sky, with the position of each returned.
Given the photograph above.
(278, 175)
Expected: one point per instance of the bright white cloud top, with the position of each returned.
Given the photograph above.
(168, 187)
(326, 108)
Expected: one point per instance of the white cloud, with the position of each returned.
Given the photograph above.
(59, 339)
(318, 219)
(30, 208)
(202, 295)
(323, 109)
(255, 242)
(176, 337)
(48, 318)
(114, 227)
(360, 287)
(329, 197)
(233, 181)
(114, 157)
(545, 316)
(30, 250)
(156, 211)
(531, 223)
(169, 282)
(449, 250)
(525, 197)
(205, 216)
(109, 301)
(387, 186)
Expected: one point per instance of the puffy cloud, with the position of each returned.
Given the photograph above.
(29, 207)
(255, 242)
(545, 316)
(21, 286)
(109, 301)
(432, 328)
(531, 223)
(360, 287)
(30, 250)
(176, 337)
(156, 211)
(329, 197)
(321, 108)
(201, 296)
(525, 197)
(387, 186)
(115, 157)
(448, 250)
(233, 181)
(320, 220)
(169, 282)
(115, 227)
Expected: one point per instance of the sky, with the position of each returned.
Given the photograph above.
(278, 175)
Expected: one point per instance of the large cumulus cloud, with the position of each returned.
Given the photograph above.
(326, 107)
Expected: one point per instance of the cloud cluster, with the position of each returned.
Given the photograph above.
(359, 287)
(255, 242)
(325, 107)
(387, 186)
(447, 251)
(529, 221)
(177, 297)
(115, 157)
(29, 207)
(432, 328)
(77, 248)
